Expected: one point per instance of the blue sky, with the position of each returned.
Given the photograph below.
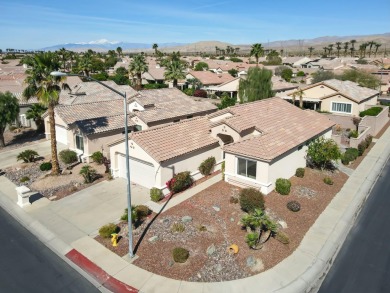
(41, 23)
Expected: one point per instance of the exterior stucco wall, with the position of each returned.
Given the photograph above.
(326, 105)
(318, 92)
(188, 162)
(226, 130)
(135, 106)
(98, 142)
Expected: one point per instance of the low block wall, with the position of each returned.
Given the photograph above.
(364, 132)
(376, 123)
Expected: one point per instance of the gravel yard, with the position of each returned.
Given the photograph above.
(209, 223)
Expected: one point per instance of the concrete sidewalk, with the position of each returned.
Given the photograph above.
(302, 271)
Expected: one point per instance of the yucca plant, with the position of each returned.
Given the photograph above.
(27, 156)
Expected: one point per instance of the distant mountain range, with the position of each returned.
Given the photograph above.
(209, 46)
(104, 45)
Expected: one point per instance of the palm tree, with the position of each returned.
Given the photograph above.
(372, 43)
(325, 50)
(310, 51)
(138, 66)
(330, 49)
(353, 42)
(85, 64)
(35, 113)
(346, 44)
(47, 89)
(257, 50)
(352, 49)
(236, 50)
(119, 51)
(338, 48)
(174, 71)
(64, 54)
(155, 46)
(217, 50)
(362, 50)
(377, 45)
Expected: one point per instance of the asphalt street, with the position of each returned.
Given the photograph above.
(27, 265)
(363, 263)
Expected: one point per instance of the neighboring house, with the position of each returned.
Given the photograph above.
(208, 78)
(336, 96)
(295, 61)
(154, 75)
(89, 126)
(257, 149)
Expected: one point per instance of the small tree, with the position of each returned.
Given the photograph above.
(322, 151)
(200, 66)
(287, 74)
(226, 101)
(9, 109)
(256, 86)
(88, 173)
(35, 112)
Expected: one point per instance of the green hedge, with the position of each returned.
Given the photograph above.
(350, 155)
(206, 166)
(374, 111)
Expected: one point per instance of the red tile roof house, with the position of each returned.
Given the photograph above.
(208, 78)
(259, 141)
(89, 121)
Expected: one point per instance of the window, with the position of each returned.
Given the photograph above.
(246, 168)
(79, 142)
(341, 107)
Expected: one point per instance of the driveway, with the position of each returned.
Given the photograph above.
(8, 158)
(84, 212)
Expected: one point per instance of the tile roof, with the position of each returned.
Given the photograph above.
(209, 78)
(168, 104)
(283, 126)
(279, 84)
(77, 112)
(103, 124)
(156, 73)
(173, 140)
(351, 89)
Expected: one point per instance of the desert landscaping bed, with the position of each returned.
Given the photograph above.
(211, 223)
(52, 187)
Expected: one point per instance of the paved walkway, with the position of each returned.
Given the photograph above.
(66, 225)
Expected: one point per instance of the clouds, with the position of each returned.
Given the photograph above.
(44, 23)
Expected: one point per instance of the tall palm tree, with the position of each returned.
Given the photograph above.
(372, 43)
(377, 45)
(338, 48)
(174, 71)
(310, 51)
(217, 50)
(64, 55)
(346, 44)
(257, 50)
(138, 66)
(236, 50)
(85, 64)
(119, 51)
(352, 49)
(47, 89)
(353, 42)
(155, 46)
(330, 49)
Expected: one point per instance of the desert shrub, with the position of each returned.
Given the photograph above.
(180, 254)
(156, 194)
(88, 173)
(206, 166)
(97, 157)
(233, 200)
(362, 147)
(178, 227)
(24, 179)
(202, 228)
(300, 172)
(235, 59)
(179, 182)
(368, 140)
(27, 156)
(142, 211)
(251, 199)
(283, 186)
(294, 206)
(353, 133)
(282, 237)
(251, 239)
(189, 91)
(200, 93)
(68, 156)
(350, 155)
(328, 181)
(301, 73)
(138, 213)
(106, 230)
(46, 166)
(374, 111)
(153, 86)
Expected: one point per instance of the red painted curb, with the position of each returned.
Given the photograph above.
(99, 274)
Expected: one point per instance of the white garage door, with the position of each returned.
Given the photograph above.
(141, 172)
(61, 135)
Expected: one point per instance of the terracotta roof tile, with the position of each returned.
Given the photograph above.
(103, 124)
(173, 140)
(209, 78)
(283, 127)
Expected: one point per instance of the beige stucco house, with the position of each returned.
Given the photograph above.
(89, 127)
(337, 97)
(257, 148)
